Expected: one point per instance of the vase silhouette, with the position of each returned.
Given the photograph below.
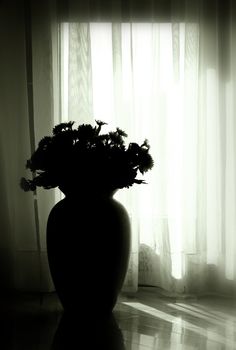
(88, 245)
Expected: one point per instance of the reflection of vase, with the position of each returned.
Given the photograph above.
(88, 243)
(89, 334)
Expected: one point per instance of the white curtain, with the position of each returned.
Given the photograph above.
(166, 82)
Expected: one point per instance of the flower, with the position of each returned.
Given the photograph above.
(71, 158)
(27, 185)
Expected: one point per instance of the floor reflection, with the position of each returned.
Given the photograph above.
(73, 331)
(145, 322)
(161, 324)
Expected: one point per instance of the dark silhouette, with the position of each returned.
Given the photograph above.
(88, 243)
(72, 158)
(89, 333)
(88, 232)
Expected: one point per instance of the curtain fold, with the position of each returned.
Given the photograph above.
(26, 116)
(17, 209)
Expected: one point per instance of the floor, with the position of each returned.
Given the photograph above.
(146, 321)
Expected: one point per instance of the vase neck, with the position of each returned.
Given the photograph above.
(87, 194)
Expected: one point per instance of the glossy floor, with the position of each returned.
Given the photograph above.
(146, 321)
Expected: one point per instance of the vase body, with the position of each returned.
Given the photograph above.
(88, 245)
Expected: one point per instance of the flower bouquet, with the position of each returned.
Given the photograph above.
(77, 157)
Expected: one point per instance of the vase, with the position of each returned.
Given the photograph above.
(88, 246)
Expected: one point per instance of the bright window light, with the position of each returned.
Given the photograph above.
(102, 71)
(124, 92)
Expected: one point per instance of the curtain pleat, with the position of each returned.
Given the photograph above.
(80, 74)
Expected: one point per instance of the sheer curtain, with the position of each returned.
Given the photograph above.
(167, 82)
(26, 115)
